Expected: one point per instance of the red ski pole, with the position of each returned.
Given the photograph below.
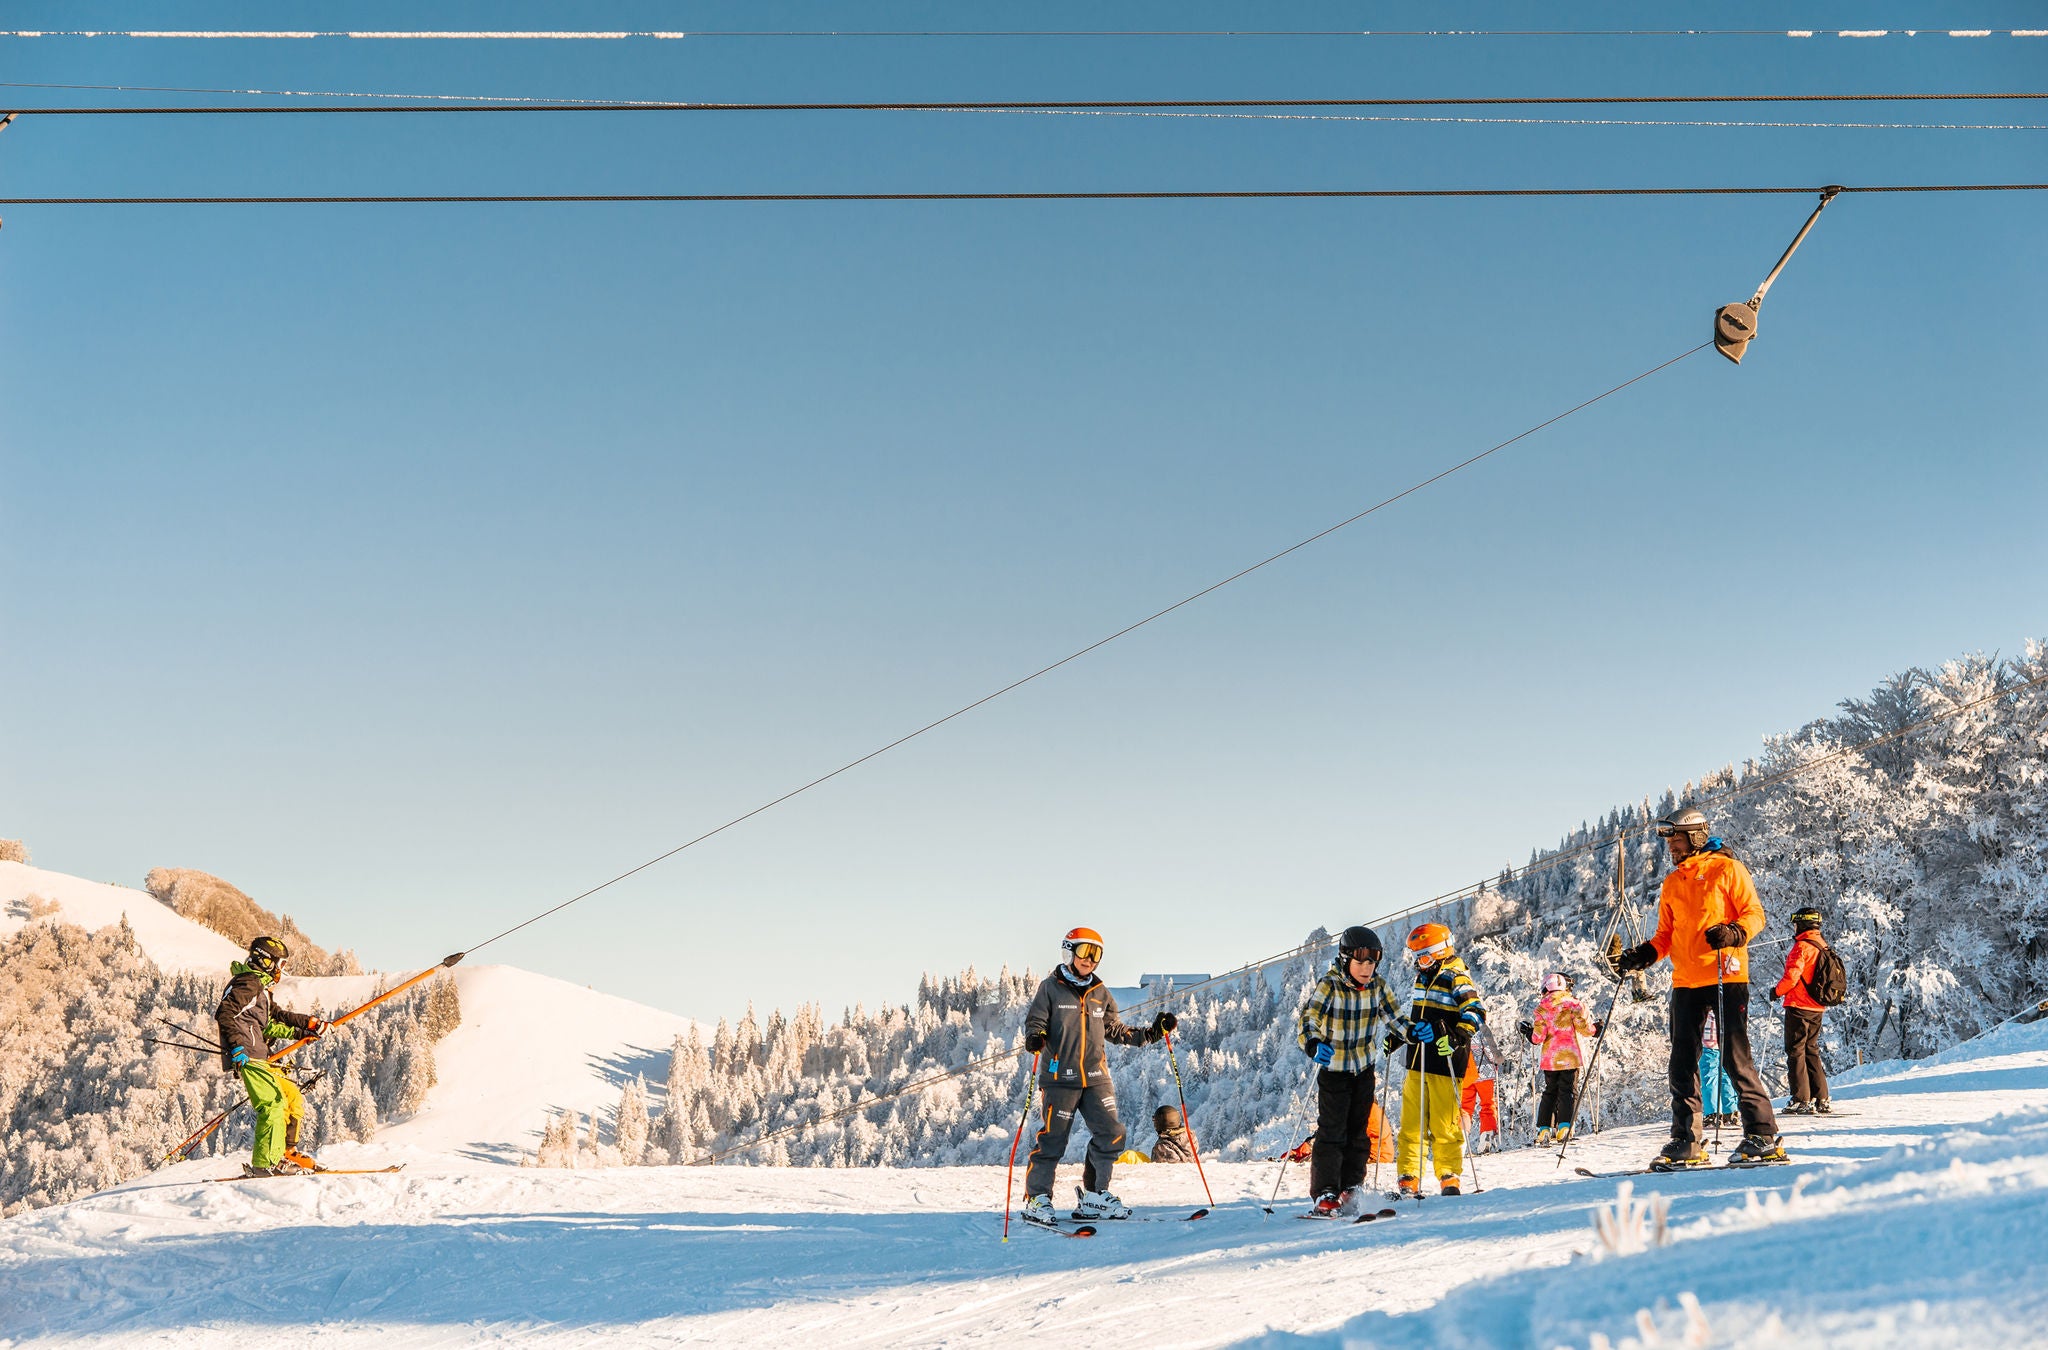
(1193, 1148)
(1010, 1177)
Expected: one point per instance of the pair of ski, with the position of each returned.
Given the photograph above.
(1086, 1230)
(319, 1172)
(1367, 1217)
(1669, 1169)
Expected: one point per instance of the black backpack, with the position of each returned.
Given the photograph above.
(1829, 983)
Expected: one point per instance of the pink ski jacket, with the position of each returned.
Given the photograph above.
(1559, 1021)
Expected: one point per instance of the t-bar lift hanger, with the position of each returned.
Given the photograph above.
(1735, 325)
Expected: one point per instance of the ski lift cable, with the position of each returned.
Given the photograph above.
(1029, 105)
(1391, 119)
(1097, 644)
(1553, 860)
(1250, 194)
(615, 35)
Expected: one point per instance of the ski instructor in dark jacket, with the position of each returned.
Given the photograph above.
(1070, 1019)
(249, 1022)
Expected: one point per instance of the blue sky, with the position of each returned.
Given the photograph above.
(415, 568)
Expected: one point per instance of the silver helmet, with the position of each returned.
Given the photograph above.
(1690, 822)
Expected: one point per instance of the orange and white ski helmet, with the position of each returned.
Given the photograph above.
(1431, 943)
(1082, 937)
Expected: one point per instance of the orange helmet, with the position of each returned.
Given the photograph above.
(1430, 943)
(1078, 938)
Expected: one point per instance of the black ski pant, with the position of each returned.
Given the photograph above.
(1095, 1104)
(1343, 1130)
(1802, 1055)
(1560, 1098)
(1730, 1006)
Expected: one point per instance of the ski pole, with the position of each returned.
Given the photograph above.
(1193, 1147)
(187, 1031)
(1285, 1155)
(1009, 1177)
(1720, 1034)
(179, 1045)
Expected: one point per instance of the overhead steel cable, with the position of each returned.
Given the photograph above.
(1254, 194)
(982, 105)
(625, 35)
(1547, 862)
(1099, 643)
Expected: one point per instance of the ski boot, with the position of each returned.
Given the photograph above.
(1543, 1137)
(1408, 1188)
(1449, 1186)
(1799, 1109)
(1823, 1107)
(1679, 1155)
(252, 1170)
(1756, 1150)
(1328, 1205)
(305, 1162)
(1038, 1209)
(1562, 1135)
(1101, 1205)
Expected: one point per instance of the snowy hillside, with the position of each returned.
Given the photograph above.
(1911, 1219)
(527, 1045)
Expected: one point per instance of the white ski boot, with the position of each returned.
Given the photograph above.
(1038, 1209)
(1101, 1205)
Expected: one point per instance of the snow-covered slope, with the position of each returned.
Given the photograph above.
(172, 941)
(528, 1045)
(1914, 1218)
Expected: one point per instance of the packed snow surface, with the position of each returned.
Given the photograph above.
(1912, 1218)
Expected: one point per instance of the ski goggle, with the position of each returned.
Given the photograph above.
(1085, 951)
(1364, 955)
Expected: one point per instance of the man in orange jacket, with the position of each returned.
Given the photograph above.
(1706, 916)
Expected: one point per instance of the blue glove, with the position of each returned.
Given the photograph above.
(238, 1056)
(1419, 1032)
(1323, 1053)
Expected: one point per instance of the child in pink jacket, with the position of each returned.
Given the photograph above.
(1558, 1023)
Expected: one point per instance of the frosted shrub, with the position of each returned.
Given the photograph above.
(206, 899)
(13, 850)
(1630, 1225)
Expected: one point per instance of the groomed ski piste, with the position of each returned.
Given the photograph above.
(1919, 1220)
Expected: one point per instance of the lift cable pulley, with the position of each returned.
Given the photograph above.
(1735, 325)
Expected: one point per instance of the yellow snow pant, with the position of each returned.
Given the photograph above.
(1446, 1130)
(279, 1110)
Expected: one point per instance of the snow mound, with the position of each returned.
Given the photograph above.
(174, 942)
(1903, 1222)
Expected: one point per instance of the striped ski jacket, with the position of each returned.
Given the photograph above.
(1446, 998)
(1348, 1017)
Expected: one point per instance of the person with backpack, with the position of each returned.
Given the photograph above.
(1443, 1017)
(1555, 1028)
(249, 1022)
(1707, 913)
(1813, 980)
(1071, 1018)
(1340, 1025)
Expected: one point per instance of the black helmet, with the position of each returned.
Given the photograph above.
(1688, 821)
(268, 955)
(1166, 1118)
(1359, 938)
(1805, 920)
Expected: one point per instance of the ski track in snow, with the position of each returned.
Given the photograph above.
(1917, 1220)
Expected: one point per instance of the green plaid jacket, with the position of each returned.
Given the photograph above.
(1347, 1017)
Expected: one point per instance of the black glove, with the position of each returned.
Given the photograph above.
(1639, 957)
(1528, 1030)
(1163, 1023)
(1724, 935)
(1034, 1041)
(315, 1028)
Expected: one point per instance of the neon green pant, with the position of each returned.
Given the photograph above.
(279, 1110)
(1446, 1129)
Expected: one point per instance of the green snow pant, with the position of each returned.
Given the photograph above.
(279, 1110)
